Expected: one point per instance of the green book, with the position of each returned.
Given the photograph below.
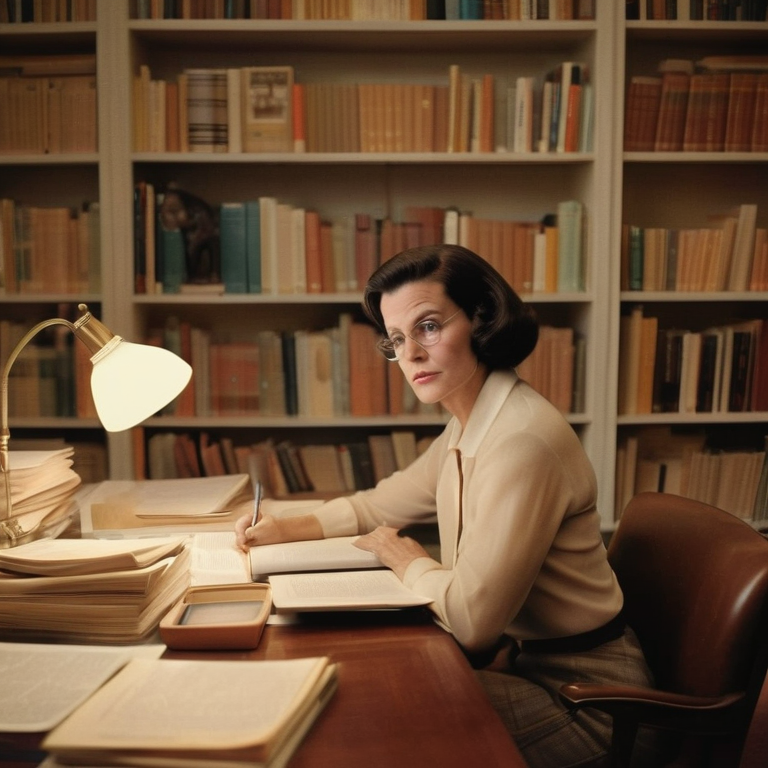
(234, 273)
(253, 245)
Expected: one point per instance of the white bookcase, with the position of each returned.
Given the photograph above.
(652, 189)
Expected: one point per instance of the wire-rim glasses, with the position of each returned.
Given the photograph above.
(426, 334)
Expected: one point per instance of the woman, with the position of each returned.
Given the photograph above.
(523, 564)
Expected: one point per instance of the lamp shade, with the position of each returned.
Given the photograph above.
(131, 382)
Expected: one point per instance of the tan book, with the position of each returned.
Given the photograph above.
(267, 102)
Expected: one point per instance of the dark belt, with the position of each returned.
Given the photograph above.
(585, 641)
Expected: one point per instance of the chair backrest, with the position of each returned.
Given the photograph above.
(695, 581)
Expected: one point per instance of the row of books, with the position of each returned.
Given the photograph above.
(53, 115)
(49, 250)
(264, 109)
(331, 372)
(366, 10)
(730, 257)
(265, 246)
(717, 104)
(669, 370)
(682, 464)
(697, 10)
(35, 12)
(284, 467)
(51, 376)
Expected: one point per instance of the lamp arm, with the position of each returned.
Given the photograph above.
(5, 434)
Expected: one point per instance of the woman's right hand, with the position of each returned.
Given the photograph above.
(266, 531)
(275, 530)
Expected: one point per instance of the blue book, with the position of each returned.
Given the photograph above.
(173, 259)
(253, 245)
(471, 9)
(234, 273)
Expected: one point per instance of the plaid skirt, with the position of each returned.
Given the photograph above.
(525, 694)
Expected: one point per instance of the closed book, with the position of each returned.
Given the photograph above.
(642, 113)
(760, 120)
(207, 117)
(173, 259)
(253, 245)
(570, 215)
(670, 128)
(289, 373)
(742, 100)
(267, 109)
(708, 373)
(271, 375)
(232, 224)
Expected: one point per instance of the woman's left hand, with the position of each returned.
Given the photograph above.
(395, 551)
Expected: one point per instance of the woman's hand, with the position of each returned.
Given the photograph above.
(274, 530)
(395, 551)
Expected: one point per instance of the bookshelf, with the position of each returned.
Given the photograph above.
(648, 189)
(71, 176)
(677, 191)
(382, 184)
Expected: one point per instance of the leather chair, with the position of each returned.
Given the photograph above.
(695, 582)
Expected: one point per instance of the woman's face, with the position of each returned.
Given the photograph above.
(446, 372)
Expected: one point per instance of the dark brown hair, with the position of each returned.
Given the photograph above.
(504, 329)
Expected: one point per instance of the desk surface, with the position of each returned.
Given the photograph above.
(407, 698)
(406, 695)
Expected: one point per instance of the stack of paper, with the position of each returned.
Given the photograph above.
(196, 713)
(90, 591)
(43, 485)
(163, 507)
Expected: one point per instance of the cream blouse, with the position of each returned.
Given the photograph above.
(515, 501)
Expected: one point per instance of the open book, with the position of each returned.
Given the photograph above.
(334, 554)
(341, 590)
(197, 713)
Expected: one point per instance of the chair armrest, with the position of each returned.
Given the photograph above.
(650, 706)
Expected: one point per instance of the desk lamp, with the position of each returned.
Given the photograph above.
(130, 382)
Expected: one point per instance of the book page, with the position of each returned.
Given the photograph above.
(192, 705)
(216, 559)
(340, 590)
(337, 553)
(42, 684)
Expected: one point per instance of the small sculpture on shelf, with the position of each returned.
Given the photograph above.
(197, 221)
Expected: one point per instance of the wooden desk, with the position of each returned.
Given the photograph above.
(407, 698)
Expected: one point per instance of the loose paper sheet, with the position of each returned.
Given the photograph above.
(42, 684)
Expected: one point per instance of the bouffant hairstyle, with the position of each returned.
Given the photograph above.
(504, 329)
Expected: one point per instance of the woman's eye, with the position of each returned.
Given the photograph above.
(397, 341)
(429, 326)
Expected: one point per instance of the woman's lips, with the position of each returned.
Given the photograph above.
(423, 377)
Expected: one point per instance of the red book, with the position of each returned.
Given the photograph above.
(742, 100)
(670, 127)
(299, 120)
(760, 119)
(642, 112)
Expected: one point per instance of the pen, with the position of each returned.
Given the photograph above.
(256, 504)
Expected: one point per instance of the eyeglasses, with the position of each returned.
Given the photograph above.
(425, 334)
